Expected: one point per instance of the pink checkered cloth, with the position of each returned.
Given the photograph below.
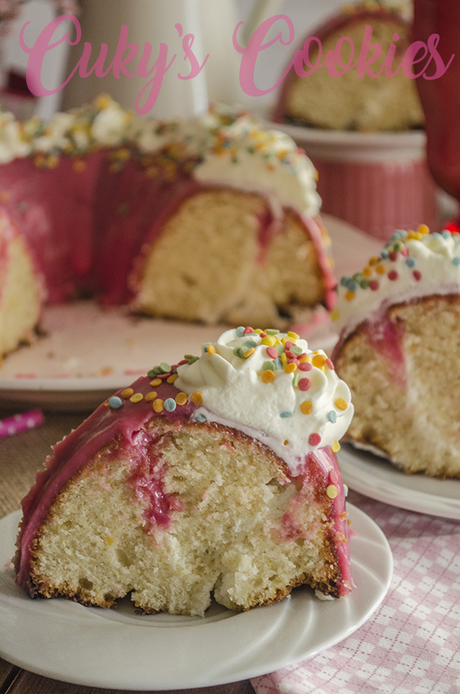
(411, 645)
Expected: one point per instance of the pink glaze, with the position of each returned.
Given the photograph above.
(126, 426)
(89, 226)
(71, 454)
(321, 469)
(386, 338)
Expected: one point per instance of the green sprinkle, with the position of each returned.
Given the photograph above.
(279, 349)
(250, 343)
(239, 352)
(170, 404)
(296, 379)
(271, 331)
(240, 331)
(164, 367)
(295, 349)
(268, 366)
(286, 414)
(190, 356)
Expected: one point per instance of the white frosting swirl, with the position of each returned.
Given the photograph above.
(413, 264)
(262, 161)
(295, 417)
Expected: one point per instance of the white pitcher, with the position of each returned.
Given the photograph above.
(156, 21)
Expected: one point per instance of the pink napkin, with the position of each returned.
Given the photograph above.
(411, 645)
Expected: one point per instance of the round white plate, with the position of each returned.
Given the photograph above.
(379, 479)
(338, 144)
(87, 352)
(118, 649)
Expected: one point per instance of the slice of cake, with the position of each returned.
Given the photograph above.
(214, 219)
(216, 477)
(399, 351)
(378, 98)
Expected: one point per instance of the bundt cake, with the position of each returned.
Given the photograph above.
(211, 220)
(216, 477)
(378, 98)
(399, 352)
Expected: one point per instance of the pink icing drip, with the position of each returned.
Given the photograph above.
(385, 336)
(86, 228)
(71, 454)
(320, 469)
(147, 483)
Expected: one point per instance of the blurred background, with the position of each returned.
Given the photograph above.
(403, 192)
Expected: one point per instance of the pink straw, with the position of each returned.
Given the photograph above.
(20, 422)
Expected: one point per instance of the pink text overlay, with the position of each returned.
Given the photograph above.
(420, 59)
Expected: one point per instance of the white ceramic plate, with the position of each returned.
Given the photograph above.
(118, 649)
(379, 479)
(88, 352)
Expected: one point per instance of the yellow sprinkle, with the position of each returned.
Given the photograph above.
(79, 165)
(292, 335)
(268, 376)
(151, 396)
(319, 360)
(283, 358)
(285, 442)
(269, 341)
(211, 349)
(349, 296)
(305, 359)
(137, 397)
(380, 269)
(335, 315)
(158, 405)
(290, 368)
(335, 447)
(156, 382)
(127, 392)
(181, 398)
(331, 491)
(341, 404)
(306, 407)
(374, 260)
(367, 272)
(423, 229)
(172, 378)
(249, 352)
(106, 404)
(258, 330)
(197, 398)
(103, 101)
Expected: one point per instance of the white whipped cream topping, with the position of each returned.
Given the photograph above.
(12, 142)
(110, 124)
(262, 161)
(235, 393)
(411, 265)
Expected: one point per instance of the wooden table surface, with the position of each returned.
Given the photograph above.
(21, 456)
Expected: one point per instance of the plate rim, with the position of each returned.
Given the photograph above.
(371, 533)
(393, 493)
